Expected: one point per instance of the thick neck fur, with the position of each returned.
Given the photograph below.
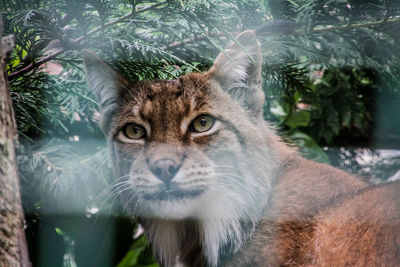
(175, 241)
(209, 241)
(193, 243)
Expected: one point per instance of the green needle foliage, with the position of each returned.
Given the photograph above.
(331, 76)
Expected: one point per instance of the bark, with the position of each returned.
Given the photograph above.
(13, 248)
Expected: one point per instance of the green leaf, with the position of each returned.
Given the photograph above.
(277, 110)
(132, 257)
(298, 119)
(59, 231)
(308, 147)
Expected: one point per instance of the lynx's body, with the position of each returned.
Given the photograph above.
(213, 185)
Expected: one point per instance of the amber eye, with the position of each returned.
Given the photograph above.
(134, 131)
(202, 123)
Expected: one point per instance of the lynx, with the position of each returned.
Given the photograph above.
(213, 185)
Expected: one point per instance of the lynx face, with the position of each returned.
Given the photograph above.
(188, 148)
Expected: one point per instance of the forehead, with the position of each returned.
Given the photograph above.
(157, 98)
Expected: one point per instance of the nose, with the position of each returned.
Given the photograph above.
(165, 169)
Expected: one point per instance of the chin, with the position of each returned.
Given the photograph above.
(170, 207)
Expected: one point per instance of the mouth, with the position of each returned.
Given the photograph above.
(170, 194)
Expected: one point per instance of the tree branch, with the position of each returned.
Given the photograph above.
(77, 40)
(121, 19)
(35, 64)
(291, 28)
(355, 26)
(274, 27)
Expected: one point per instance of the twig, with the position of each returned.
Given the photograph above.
(35, 64)
(281, 27)
(77, 40)
(356, 25)
(121, 19)
(51, 165)
(289, 28)
(190, 40)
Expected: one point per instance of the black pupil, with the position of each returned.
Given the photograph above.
(203, 122)
(136, 130)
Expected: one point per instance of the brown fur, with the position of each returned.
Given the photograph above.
(360, 230)
(288, 211)
(284, 236)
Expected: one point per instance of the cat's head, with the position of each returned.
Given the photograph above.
(193, 147)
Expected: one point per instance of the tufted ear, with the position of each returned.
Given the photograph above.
(238, 72)
(105, 84)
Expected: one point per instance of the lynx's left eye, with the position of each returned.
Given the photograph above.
(202, 123)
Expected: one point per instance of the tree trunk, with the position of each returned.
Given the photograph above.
(13, 248)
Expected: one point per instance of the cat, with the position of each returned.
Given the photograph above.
(213, 185)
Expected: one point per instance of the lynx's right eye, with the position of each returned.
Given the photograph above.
(134, 131)
(202, 123)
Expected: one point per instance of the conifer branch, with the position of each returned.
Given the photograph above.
(127, 16)
(290, 28)
(355, 25)
(76, 41)
(35, 64)
(278, 27)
